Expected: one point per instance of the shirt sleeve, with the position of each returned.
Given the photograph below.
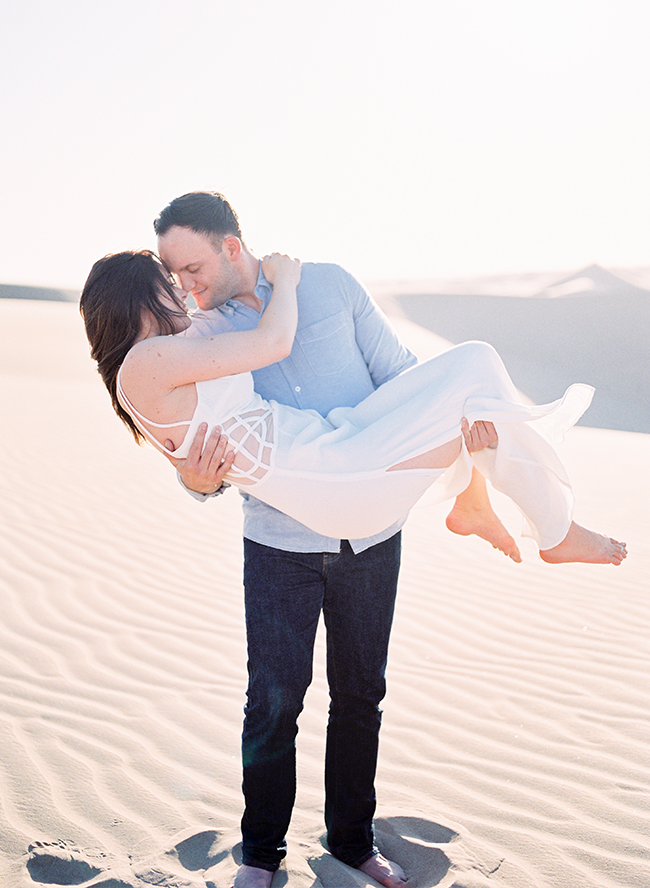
(384, 354)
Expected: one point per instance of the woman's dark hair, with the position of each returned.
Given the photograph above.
(205, 212)
(119, 287)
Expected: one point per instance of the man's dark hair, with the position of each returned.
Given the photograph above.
(205, 212)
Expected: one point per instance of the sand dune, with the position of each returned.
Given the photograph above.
(515, 747)
(19, 291)
(587, 327)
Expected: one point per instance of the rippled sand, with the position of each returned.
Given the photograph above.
(515, 748)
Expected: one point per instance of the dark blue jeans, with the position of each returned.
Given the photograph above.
(285, 593)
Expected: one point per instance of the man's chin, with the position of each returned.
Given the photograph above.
(208, 304)
(204, 305)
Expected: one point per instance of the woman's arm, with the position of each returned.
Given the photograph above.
(167, 362)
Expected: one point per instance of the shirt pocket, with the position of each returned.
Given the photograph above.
(329, 345)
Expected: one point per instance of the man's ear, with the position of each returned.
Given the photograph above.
(232, 247)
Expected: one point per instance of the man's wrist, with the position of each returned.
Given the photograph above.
(222, 489)
(201, 497)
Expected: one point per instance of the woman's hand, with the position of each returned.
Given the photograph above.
(279, 268)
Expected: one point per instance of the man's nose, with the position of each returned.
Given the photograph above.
(186, 281)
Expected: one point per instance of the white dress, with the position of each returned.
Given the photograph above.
(332, 473)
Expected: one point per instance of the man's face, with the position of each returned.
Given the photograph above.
(200, 267)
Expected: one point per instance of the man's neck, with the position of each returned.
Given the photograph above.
(248, 297)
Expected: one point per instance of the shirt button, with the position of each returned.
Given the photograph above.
(297, 388)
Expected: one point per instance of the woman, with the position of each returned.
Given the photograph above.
(357, 471)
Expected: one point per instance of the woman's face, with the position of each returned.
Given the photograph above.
(177, 308)
(176, 311)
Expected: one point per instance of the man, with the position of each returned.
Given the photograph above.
(344, 348)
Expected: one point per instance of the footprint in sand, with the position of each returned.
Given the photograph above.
(62, 863)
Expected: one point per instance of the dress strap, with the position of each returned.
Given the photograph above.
(140, 420)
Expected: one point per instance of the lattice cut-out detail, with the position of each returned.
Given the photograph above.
(251, 433)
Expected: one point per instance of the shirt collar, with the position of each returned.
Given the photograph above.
(263, 289)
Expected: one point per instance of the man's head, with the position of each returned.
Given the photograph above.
(205, 212)
(200, 241)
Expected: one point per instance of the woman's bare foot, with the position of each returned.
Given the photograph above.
(486, 524)
(473, 514)
(387, 873)
(585, 546)
(252, 877)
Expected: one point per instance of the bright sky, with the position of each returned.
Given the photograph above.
(403, 140)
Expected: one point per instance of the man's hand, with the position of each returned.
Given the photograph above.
(204, 468)
(481, 435)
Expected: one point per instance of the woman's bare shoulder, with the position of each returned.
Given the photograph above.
(148, 350)
(146, 363)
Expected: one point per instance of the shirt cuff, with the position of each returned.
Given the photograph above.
(202, 497)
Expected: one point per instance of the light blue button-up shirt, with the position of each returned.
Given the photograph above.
(344, 348)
